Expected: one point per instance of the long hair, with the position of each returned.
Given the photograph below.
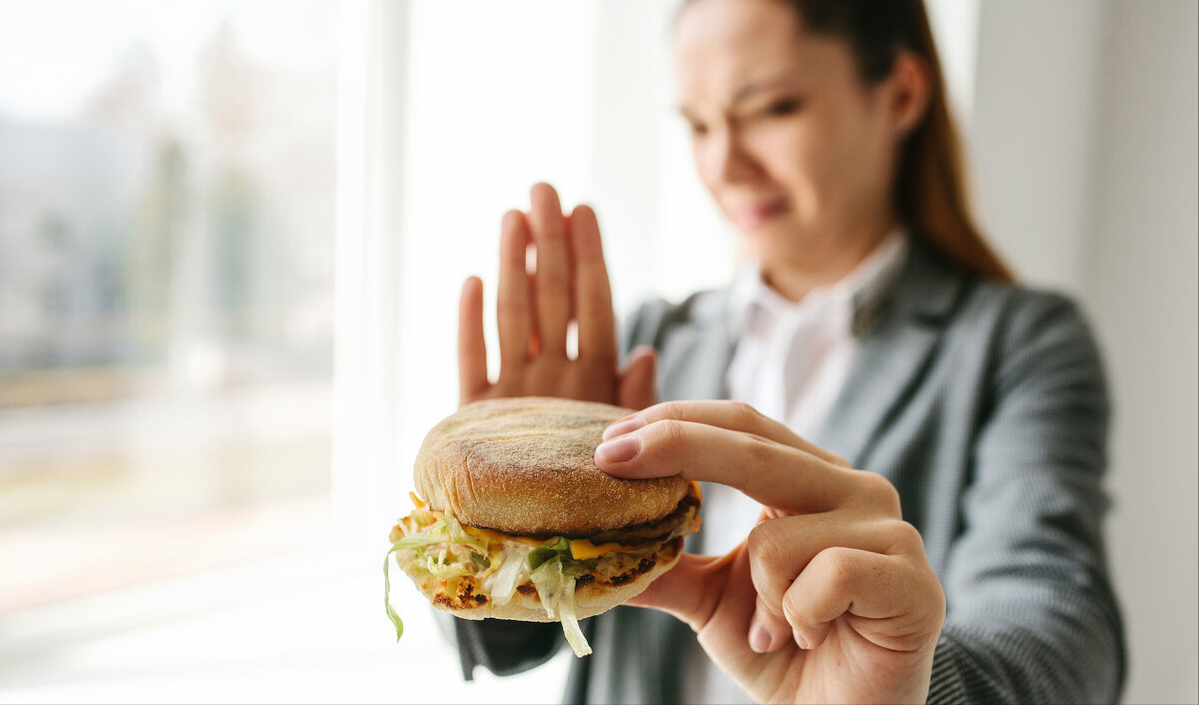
(930, 186)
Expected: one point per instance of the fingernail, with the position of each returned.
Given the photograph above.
(800, 640)
(623, 426)
(759, 637)
(620, 450)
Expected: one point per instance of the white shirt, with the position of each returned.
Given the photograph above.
(790, 363)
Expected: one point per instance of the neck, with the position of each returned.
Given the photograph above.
(815, 265)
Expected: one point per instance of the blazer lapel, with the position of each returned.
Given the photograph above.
(695, 357)
(892, 354)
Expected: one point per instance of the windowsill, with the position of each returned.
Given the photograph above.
(306, 628)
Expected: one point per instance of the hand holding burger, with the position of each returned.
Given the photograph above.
(517, 522)
(829, 599)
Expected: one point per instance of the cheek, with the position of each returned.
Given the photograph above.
(803, 161)
(705, 167)
(848, 164)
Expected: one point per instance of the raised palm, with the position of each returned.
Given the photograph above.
(536, 306)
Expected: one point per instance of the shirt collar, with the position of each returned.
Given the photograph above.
(862, 290)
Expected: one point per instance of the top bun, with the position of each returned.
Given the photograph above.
(526, 466)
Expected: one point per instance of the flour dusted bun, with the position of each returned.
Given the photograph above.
(525, 465)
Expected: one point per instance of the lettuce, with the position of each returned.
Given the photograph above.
(457, 534)
(439, 545)
(559, 548)
(447, 571)
(391, 613)
(570, 623)
(445, 533)
(501, 584)
(556, 588)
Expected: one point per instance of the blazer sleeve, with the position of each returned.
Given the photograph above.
(1031, 616)
(504, 647)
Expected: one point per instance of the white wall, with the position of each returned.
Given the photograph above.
(1031, 132)
(1140, 280)
(1083, 138)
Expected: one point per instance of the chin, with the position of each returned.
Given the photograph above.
(777, 240)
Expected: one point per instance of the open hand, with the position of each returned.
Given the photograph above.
(535, 308)
(829, 599)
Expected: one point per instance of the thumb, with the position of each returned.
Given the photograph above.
(690, 590)
(635, 386)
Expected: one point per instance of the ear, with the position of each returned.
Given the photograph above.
(909, 87)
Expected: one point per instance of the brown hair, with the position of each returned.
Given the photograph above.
(930, 188)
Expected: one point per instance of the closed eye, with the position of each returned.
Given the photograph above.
(782, 108)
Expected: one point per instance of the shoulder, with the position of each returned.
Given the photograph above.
(657, 318)
(977, 316)
(935, 291)
(1018, 315)
(1029, 338)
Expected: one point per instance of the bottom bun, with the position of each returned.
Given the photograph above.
(595, 591)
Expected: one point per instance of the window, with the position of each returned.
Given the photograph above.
(166, 287)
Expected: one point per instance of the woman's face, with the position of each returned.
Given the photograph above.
(797, 151)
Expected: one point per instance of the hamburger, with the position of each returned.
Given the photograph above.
(515, 521)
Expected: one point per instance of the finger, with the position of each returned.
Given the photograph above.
(534, 346)
(737, 416)
(553, 276)
(695, 586)
(636, 386)
(513, 311)
(781, 549)
(777, 475)
(593, 293)
(890, 600)
(472, 347)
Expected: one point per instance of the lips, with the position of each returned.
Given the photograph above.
(754, 214)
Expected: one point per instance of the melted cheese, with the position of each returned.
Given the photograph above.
(499, 537)
(582, 549)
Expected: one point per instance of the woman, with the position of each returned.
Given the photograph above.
(876, 330)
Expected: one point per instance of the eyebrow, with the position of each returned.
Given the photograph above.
(759, 86)
(747, 90)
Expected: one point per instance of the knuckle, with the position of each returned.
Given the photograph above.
(771, 610)
(840, 567)
(597, 366)
(760, 448)
(552, 282)
(747, 417)
(841, 461)
(670, 435)
(669, 410)
(595, 300)
(744, 413)
(905, 538)
(940, 603)
(759, 451)
(880, 493)
(510, 305)
(794, 608)
(768, 545)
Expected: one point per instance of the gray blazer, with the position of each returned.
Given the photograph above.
(985, 405)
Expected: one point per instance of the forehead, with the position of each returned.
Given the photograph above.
(721, 46)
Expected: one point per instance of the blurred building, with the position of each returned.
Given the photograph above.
(194, 248)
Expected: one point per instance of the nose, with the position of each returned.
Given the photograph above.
(726, 158)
